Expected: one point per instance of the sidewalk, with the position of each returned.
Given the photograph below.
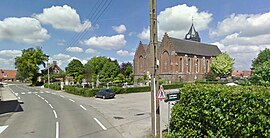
(9, 102)
(6, 94)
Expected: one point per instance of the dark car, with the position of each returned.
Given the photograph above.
(105, 93)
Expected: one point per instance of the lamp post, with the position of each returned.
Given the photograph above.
(48, 71)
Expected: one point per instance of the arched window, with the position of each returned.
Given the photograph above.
(197, 65)
(165, 62)
(181, 65)
(206, 66)
(141, 64)
(189, 65)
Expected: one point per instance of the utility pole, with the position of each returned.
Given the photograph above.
(155, 111)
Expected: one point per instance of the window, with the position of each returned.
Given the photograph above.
(197, 65)
(141, 64)
(165, 59)
(181, 65)
(206, 66)
(189, 65)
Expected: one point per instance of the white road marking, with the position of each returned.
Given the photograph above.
(46, 101)
(23, 93)
(54, 93)
(2, 128)
(41, 92)
(35, 92)
(39, 96)
(83, 107)
(55, 115)
(62, 96)
(19, 98)
(51, 106)
(16, 94)
(57, 130)
(42, 98)
(29, 92)
(72, 100)
(101, 125)
(47, 92)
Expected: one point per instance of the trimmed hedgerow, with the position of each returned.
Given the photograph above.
(221, 111)
(80, 91)
(54, 86)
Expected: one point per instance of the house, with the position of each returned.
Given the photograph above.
(242, 75)
(7, 75)
(53, 69)
(184, 60)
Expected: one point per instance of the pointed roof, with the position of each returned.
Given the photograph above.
(192, 34)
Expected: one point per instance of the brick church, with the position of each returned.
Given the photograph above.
(184, 60)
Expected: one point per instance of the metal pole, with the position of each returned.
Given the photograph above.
(169, 113)
(48, 73)
(155, 109)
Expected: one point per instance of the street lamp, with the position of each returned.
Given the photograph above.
(48, 71)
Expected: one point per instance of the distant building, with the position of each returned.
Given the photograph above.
(242, 75)
(7, 75)
(184, 60)
(53, 69)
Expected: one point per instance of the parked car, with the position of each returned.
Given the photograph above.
(105, 93)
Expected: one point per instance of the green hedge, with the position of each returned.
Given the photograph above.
(80, 91)
(221, 111)
(54, 86)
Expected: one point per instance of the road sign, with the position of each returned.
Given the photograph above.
(161, 94)
(172, 97)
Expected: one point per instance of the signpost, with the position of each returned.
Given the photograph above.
(171, 97)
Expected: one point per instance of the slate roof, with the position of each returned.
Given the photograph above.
(195, 48)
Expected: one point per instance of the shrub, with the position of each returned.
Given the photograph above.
(221, 111)
(80, 91)
(54, 86)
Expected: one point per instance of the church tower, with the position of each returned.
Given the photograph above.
(192, 34)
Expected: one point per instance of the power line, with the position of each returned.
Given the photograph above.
(102, 7)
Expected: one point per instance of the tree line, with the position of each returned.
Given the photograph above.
(102, 69)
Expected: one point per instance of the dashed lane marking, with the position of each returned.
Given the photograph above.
(55, 115)
(83, 107)
(72, 100)
(100, 124)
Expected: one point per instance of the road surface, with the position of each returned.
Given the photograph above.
(48, 114)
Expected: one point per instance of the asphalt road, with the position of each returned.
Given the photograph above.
(48, 114)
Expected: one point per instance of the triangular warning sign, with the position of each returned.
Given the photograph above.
(161, 94)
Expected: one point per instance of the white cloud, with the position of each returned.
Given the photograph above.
(176, 21)
(61, 42)
(90, 51)
(120, 29)
(106, 42)
(74, 49)
(7, 63)
(23, 30)
(63, 17)
(243, 36)
(246, 25)
(10, 53)
(124, 53)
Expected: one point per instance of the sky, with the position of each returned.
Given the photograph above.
(82, 29)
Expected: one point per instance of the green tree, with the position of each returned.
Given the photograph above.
(28, 64)
(106, 68)
(75, 69)
(222, 65)
(261, 74)
(262, 57)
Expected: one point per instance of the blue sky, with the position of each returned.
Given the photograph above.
(75, 29)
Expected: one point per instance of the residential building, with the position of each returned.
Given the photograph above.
(7, 75)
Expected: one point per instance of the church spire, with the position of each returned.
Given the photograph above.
(193, 34)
